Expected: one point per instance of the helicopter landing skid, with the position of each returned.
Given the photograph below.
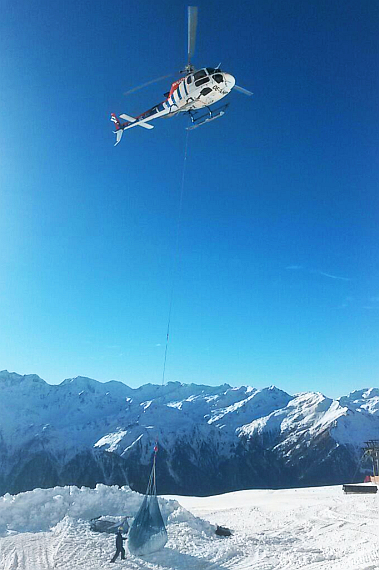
(197, 121)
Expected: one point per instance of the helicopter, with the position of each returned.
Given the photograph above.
(196, 90)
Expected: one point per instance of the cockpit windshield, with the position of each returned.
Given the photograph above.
(200, 74)
(201, 77)
(211, 70)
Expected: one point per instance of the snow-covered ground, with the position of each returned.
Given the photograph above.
(314, 529)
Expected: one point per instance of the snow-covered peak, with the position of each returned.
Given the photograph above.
(112, 416)
(82, 383)
(14, 379)
(79, 381)
(252, 404)
(366, 399)
(305, 415)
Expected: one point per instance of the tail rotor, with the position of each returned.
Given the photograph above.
(119, 130)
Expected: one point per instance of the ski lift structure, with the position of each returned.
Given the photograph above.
(371, 450)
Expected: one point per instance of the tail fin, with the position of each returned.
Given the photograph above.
(116, 121)
(118, 132)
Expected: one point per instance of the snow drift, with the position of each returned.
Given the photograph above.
(41, 509)
(318, 529)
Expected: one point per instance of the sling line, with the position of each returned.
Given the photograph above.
(176, 258)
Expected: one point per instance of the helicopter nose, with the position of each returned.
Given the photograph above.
(229, 81)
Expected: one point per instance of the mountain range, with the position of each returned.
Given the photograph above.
(211, 439)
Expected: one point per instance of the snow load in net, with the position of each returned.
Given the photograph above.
(148, 532)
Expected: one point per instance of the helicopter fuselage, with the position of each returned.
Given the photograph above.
(197, 90)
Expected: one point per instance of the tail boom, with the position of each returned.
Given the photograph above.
(130, 122)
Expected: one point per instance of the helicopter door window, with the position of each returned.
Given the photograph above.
(201, 81)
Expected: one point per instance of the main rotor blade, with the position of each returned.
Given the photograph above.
(242, 90)
(192, 25)
(147, 83)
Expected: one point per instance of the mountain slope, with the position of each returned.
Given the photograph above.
(211, 439)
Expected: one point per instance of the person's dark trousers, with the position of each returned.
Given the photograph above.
(118, 551)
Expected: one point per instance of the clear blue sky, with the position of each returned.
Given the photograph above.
(278, 280)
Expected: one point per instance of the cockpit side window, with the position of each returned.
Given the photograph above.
(189, 79)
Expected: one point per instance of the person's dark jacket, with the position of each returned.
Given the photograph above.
(119, 540)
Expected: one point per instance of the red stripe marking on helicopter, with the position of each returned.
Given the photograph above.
(174, 86)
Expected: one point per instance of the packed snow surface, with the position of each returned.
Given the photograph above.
(311, 528)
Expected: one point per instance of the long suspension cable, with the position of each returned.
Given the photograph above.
(152, 484)
(176, 258)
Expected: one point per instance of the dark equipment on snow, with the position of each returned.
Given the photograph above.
(361, 489)
(223, 531)
(110, 525)
(148, 532)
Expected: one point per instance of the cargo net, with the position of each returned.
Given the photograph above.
(148, 532)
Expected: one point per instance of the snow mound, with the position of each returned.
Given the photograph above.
(304, 529)
(42, 509)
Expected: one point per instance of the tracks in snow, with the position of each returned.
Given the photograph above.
(334, 532)
(27, 552)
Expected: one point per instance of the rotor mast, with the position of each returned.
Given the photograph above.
(192, 27)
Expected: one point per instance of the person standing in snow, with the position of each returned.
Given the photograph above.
(119, 547)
